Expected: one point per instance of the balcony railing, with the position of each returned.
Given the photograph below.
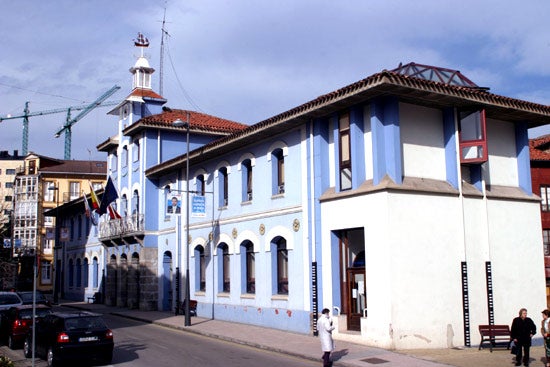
(124, 227)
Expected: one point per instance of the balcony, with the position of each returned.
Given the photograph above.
(127, 230)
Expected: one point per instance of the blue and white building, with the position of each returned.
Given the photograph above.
(402, 202)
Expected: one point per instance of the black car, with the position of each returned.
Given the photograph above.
(26, 297)
(63, 336)
(17, 321)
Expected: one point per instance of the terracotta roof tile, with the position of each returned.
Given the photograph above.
(539, 148)
(147, 93)
(198, 121)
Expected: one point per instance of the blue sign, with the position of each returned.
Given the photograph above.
(7, 243)
(198, 206)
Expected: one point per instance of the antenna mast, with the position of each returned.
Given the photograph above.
(161, 71)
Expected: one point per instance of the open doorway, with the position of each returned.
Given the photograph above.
(352, 276)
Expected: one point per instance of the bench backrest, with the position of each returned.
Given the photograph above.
(494, 329)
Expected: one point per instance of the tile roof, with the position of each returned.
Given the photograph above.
(386, 83)
(198, 122)
(539, 148)
(77, 167)
(147, 93)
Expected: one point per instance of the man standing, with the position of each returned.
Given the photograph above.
(523, 329)
(324, 326)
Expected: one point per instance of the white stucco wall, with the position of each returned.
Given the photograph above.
(501, 147)
(422, 142)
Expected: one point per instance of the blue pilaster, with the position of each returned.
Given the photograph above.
(449, 134)
(386, 142)
(357, 133)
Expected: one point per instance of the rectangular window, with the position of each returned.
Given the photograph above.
(226, 273)
(202, 259)
(135, 151)
(345, 152)
(49, 191)
(473, 140)
(74, 190)
(8, 185)
(46, 272)
(124, 157)
(546, 241)
(10, 171)
(544, 192)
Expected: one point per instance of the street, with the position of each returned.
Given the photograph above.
(140, 344)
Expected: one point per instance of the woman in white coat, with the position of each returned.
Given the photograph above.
(324, 326)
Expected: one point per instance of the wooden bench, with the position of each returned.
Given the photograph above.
(494, 334)
(192, 308)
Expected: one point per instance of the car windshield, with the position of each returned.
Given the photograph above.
(9, 299)
(27, 313)
(79, 323)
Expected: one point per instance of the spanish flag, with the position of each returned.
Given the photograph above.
(95, 202)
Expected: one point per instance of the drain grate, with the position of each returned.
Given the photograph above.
(374, 360)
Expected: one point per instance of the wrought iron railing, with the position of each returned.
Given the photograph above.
(130, 225)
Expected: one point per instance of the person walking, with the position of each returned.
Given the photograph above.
(545, 330)
(523, 329)
(324, 326)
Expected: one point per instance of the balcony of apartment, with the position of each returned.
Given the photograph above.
(123, 231)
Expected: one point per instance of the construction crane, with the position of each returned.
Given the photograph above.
(70, 121)
(26, 114)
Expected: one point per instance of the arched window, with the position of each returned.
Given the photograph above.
(223, 187)
(279, 261)
(246, 167)
(278, 172)
(200, 269)
(95, 272)
(135, 203)
(85, 273)
(78, 273)
(201, 189)
(224, 275)
(71, 273)
(248, 267)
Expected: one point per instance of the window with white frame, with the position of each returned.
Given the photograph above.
(49, 191)
(248, 267)
(278, 172)
(224, 261)
(544, 195)
(345, 151)
(246, 168)
(200, 269)
(74, 190)
(546, 241)
(223, 187)
(279, 258)
(46, 272)
(135, 151)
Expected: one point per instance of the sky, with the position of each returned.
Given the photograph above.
(248, 60)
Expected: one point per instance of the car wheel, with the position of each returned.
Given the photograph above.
(27, 349)
(51, 358)
(11, 342)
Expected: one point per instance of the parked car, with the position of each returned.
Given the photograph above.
(7, 300)
(63, 336)
(17, 321)
(26, 297)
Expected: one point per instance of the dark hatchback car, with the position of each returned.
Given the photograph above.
(26, 297)
(17, 321)
(70, 336)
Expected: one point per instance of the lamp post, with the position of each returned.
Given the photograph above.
(56, 246)
(180, 123)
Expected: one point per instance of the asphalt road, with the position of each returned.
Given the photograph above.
(139, 344)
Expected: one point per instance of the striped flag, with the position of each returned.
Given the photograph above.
(113, 213)
(87, 209)
(93, 196)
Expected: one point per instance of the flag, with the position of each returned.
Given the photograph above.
(113, 213)
(87, 209)
(93, 196)
(109, 195)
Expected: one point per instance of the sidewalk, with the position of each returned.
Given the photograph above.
(305, 346)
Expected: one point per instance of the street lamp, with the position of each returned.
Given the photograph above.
(180, 123)
(56, 246)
